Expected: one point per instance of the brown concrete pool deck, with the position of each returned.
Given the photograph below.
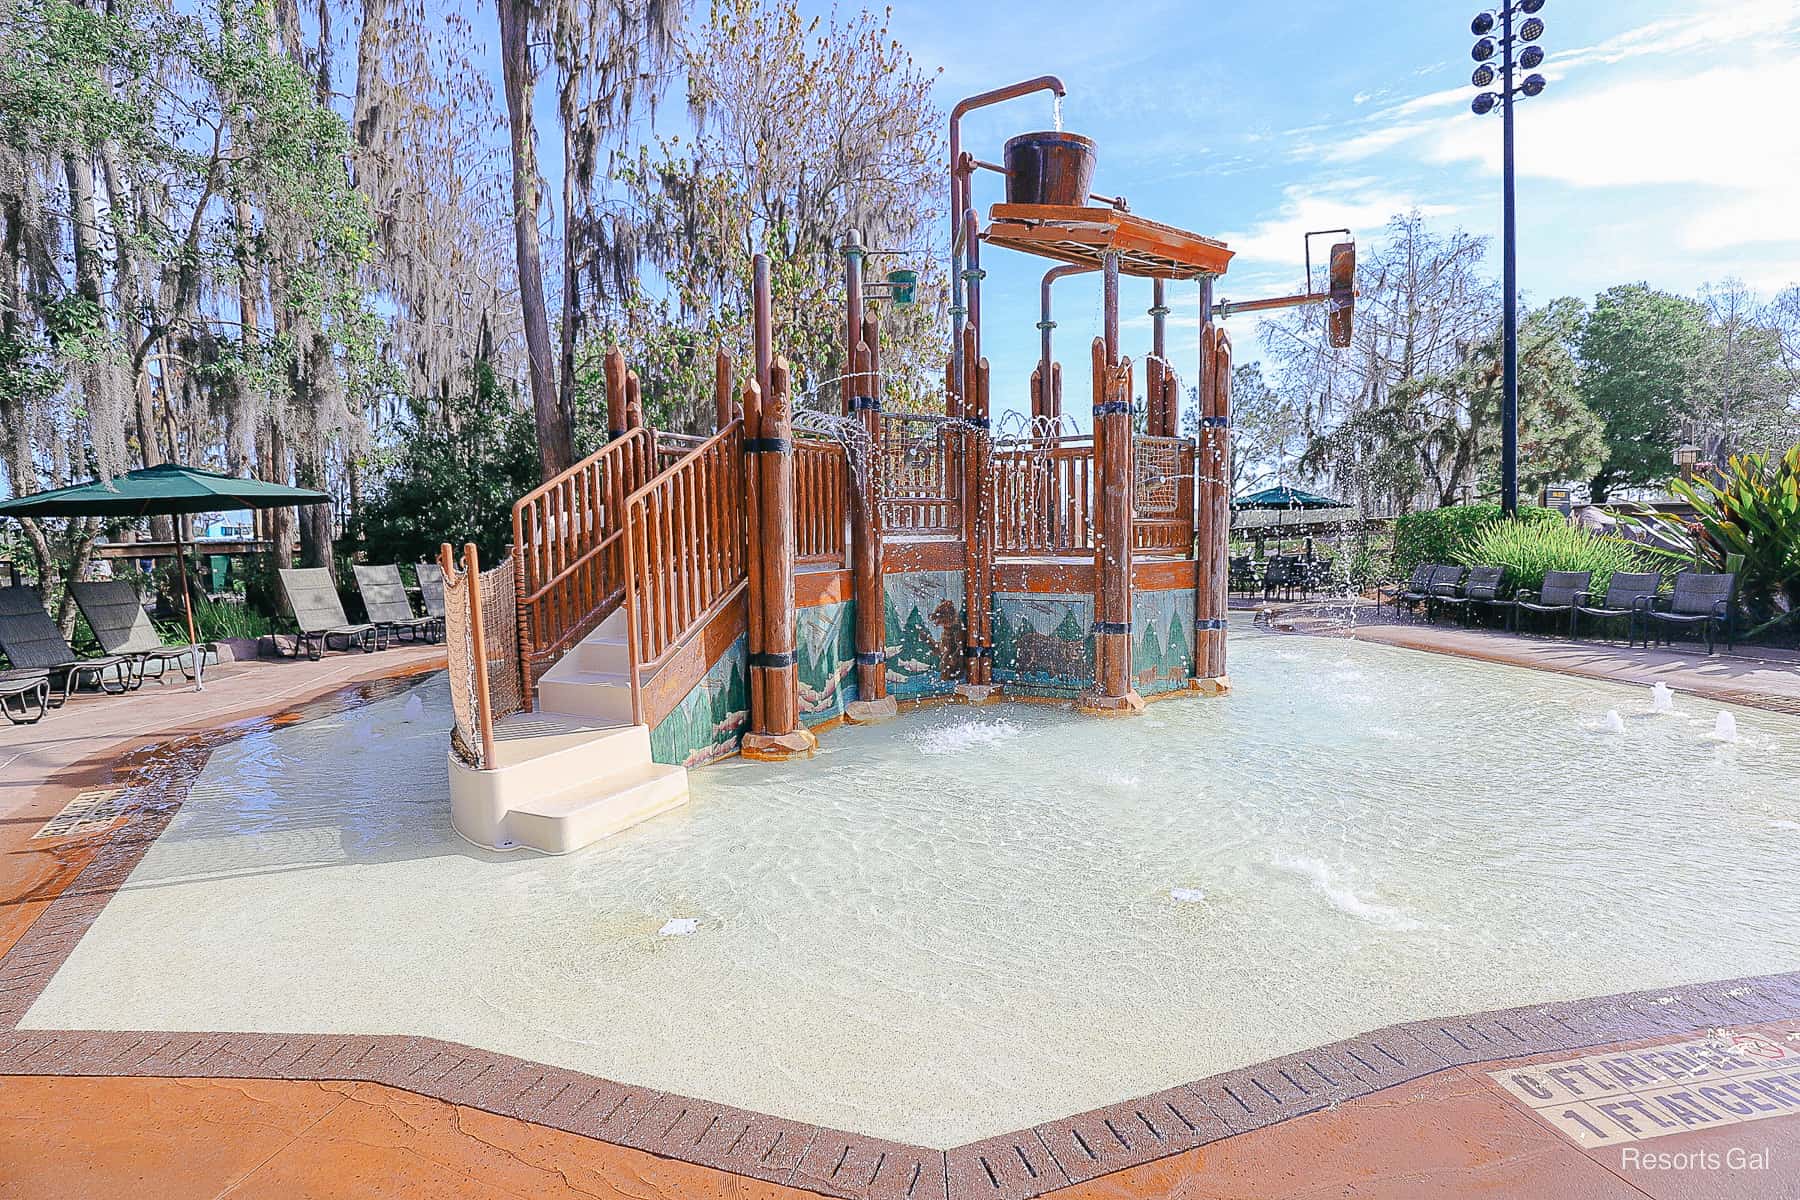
(1408, 1111)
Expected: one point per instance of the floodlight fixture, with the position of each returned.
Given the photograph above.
(1531, 58)
(1483, 76)
(1533, 85)
(1483, 50)
(1531, 30)
(1482, 25)
(1484, 103)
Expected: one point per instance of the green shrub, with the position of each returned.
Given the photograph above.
(1443, 535)
(1529, 549)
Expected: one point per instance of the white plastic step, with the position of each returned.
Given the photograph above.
(543, 752)
(566, 688)
(603, 653)
(583, 814)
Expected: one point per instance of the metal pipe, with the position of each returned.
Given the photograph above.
(1226, 308)
(1045, 323)
(1160, 425)
(1110, 292)
(959, 204)
(853, 304)
(1118, 202)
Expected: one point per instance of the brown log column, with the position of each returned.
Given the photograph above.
(978, 562)
(776, 733)
(1213, 516)
(872, 701)
(1112, 692)
(615, 395)
(761, 342)
(722, 398)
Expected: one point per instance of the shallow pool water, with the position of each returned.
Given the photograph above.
(971, 920)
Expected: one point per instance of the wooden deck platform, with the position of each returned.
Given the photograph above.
(1083, 234)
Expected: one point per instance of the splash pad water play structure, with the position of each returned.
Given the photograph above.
(671, 600)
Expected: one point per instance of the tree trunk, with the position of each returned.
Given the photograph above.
(555, 452)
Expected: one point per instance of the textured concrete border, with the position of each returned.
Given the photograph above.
(1015, 1166)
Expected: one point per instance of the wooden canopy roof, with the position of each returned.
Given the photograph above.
(1083, 234)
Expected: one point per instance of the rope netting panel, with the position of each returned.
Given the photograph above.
(498, 614)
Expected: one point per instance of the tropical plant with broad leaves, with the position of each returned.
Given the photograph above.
(1747, 519)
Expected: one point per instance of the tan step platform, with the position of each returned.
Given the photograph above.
(561, 782)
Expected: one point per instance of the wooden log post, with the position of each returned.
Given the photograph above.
(723, 404)
(634, 402)
(872, 701)
(615, 394)
(761, 343)
(1056, 403)
(977, 449)
(1112, 693)
(1160, 421)
(776, 733)
(1037, 393)
(1213, 510)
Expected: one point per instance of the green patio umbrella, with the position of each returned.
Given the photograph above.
(1282, 498)
(167, 490)
(1285, 497)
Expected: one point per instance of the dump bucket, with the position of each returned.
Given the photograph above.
(1049, 168)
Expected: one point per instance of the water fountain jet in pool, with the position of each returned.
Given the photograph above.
(1662, 700)
(1725, 728)
(1614, 723)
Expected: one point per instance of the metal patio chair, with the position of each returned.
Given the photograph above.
(1481, 588)
(27, 689)
(32, 642)
(1629, 594)
(1699, 601)
(123, 628)
(388, 606)
(319, 615)
(1556, 595)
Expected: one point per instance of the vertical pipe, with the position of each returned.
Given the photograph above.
(615, 394)
(974, 504)
(981, 617)
(752, 502)
(1509, 399)
(853, 314)
(1162, 423)
(872, 702)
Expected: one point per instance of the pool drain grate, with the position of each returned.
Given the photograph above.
(89, 812)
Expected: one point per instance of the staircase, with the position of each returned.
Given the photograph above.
(578, 767)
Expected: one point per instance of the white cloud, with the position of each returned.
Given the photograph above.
(1363, 205)
(1716, 131)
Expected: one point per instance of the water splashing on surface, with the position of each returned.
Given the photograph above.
(415, 708)
(1187, 895)
(1614, 723)
(1662, 700)
(1725, 728)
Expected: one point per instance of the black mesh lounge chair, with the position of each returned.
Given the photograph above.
(1558, 594)
(1445, 587)
(29, 691)
(431, 589)
(32, 642)
(1629, 594)
(1705, 602)
(124, 629)
(384, 598)
(319, 614)
(1482, 587)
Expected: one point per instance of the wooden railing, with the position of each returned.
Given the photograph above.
(1163, 495)
(684, 549)
(1043, 497)
(918, 476)
(568, 541)
(821, 496)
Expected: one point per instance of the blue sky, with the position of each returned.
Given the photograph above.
(1657, 153)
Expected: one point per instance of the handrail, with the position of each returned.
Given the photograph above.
(566, 540)
(821, 490)
(684, 552)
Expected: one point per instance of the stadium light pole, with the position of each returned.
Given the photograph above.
(1512, 60)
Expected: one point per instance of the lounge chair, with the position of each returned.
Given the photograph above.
(1699, 600)
(1482, 587)
(431, 589)
(1629, 594)
(385, 600)
(1445, 587)
(32, 642)
(1559, 594)
(123, 627)
(1280, 574)
(26, 689)
(319, 614)
(1414, 587)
